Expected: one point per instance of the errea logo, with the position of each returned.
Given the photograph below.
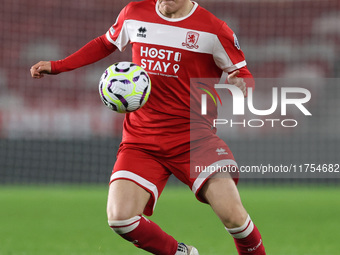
(142, 32)
(221, 151)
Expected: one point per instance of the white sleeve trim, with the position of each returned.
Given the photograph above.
(225, 74)
(223, 60)
(235, 66)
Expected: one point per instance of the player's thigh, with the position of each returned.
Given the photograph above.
(221, 194)
(126, 199)
(138, 178)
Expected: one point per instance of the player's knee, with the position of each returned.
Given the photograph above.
(119, 213)
(235, 217)
(124, 226)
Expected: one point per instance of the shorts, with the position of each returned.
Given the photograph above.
(193, 167)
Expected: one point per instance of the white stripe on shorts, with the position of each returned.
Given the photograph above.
(123, 174)
(203, 176)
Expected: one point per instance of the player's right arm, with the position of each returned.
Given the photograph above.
(39, 69)
(93, 51)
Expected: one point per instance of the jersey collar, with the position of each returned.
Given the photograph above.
(178, 19)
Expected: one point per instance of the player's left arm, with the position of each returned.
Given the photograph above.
(229, 56)
(241, 78)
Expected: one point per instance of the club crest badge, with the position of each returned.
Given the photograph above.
(191, 40)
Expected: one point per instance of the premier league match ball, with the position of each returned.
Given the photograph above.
(124, 87)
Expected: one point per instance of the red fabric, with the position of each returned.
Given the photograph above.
(199, 50)
(252, 244)
(150, 237)
(93, 51)
(151, 170)
(247, 77)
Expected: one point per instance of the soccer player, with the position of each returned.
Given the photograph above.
(173, 40)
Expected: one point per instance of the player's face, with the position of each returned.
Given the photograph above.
(175, 8)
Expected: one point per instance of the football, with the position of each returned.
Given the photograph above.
(124, 87)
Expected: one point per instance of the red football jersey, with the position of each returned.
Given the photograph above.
(172, 51)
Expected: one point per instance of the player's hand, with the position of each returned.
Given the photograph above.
(41, 68)
(238, 82)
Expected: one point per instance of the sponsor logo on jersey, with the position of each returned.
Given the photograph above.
(160, 61)
(191, 40)
(141, 32)
(236, 43)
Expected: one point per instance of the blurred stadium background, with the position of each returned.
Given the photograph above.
(56, 130)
